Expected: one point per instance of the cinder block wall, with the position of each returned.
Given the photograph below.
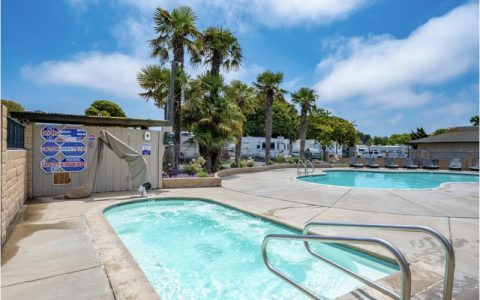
(14, 180)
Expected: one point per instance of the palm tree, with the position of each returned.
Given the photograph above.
(212, 117)
(244, 97)
(155, 80)
(220, 49)
(306, 98)
(177, 32)
(268, 86)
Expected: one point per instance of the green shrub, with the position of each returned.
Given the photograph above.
(250, 163)
(190, 169)
(280, 160)
(202, 173)
(270, 162)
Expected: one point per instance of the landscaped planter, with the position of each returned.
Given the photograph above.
(191, 182)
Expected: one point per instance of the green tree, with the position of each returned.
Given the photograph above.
(155, 80)
(176, 32)
(440, 131)
(220, 49)
(211, 116)
(105, 108)
(399, 139)
(474, 120)
(244, 97)
(268, 86)
(306, 98)
(419, 134)
(12, 105)
(285, 121)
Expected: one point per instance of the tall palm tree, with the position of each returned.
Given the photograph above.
(212, 117)
(219, 49)
(244, 97)
(155, 80)
(177, 32)
(306, 98)
(268, 86)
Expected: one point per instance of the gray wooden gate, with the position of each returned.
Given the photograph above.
(112, 174)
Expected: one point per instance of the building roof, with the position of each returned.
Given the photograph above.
(85, 120)
(467, 134)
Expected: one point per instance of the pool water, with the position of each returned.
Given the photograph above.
(192, 249)
(387, 180)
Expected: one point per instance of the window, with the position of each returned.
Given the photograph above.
(15, 134)
(61, 178)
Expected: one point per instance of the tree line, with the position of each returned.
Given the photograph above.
(217, 112)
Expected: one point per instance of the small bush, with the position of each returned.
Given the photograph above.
(250, 163)
(280, 160)
(202, 173)
(270, 162)
(190, 169)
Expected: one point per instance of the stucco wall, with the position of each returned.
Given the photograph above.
(14, 180)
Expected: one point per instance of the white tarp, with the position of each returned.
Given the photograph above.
(137, 165)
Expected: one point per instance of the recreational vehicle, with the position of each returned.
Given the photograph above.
(255, 147)
(381, 151)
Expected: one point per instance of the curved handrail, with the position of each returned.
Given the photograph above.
(448, 249)
(311, 165)
(298, 167)
(402, 262)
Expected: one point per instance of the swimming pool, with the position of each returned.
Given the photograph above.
(193, 249)
(387, 180)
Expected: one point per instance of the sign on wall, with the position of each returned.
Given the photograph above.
(71, 134)
(49, 149)
(146, 148)
(50, 165)
(50, 133)
(73, 164)
(73, 149)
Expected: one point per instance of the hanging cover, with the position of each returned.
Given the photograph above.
(137, 165)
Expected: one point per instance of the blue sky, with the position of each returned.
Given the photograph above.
(388, 65)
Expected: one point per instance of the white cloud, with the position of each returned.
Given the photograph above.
(239, 14)
(112, 73)
(395, 119)
(382, 70)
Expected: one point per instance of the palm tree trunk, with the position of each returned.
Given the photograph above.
(238, 149)
(208, 161)
(216, 156)
(216, 64)
(178, 56)
(303, 132)
(268, 125)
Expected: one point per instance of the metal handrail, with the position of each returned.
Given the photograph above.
(402, 262)
(311, 164)
(447, 247)
(298, 167)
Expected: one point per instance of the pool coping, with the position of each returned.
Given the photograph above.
(442, 185)
(128, 281)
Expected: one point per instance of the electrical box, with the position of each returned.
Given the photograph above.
(146, 136)
(168, 138)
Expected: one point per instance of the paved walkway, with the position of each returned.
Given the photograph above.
(51, 253)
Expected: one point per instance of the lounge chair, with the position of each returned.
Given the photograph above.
(390, 163)
(474, 167)
(353, 163)
(371, 163)
(455, 164)
(429, 164)
(409, 164)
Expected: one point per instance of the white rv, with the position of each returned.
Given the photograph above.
(188, 148)
(316, 149)
(255, 147)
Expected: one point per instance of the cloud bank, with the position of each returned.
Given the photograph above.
(390, 72)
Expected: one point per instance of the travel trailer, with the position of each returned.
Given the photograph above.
(381, 151)
(255, 147)
(316, 149)
(188, 148)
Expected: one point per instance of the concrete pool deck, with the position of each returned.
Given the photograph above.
(66, 249)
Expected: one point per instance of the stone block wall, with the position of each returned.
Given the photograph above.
(13, 178)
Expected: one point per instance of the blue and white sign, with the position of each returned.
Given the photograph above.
(73, 149)
(71, 134)
(49, 165)
(146, 149)
(49, 149)
(73, 164)
(50, 133)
